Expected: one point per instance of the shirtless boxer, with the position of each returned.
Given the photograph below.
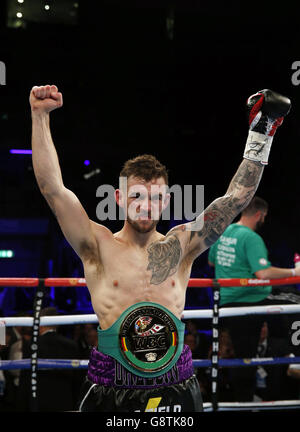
(137, 277)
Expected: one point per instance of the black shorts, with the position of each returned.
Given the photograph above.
(182, 397)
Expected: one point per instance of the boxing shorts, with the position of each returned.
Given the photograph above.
(141, 365)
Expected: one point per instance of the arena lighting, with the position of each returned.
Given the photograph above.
(20, 1)
(6, 254)
(19, 14)
(47, 7)
(20, 151)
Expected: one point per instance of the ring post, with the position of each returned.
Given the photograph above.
(215, 344)
(40, 291)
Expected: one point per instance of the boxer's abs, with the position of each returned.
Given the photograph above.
(118, 286)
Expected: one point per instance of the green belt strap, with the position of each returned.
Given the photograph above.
(108, 342)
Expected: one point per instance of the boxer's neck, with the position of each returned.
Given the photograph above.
(136, 238)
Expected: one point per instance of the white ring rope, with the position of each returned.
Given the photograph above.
(187, 314)
(253, 406)
(50, 320)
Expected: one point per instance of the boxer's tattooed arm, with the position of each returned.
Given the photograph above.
(209, 226)
(163, 258)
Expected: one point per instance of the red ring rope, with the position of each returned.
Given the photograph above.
(193, 283)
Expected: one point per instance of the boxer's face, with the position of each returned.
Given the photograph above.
(145, 202)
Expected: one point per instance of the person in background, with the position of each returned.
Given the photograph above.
(241, 253)
(55, 388)
(225, 391)
(272, 382)
(86, 337)
(201, 341)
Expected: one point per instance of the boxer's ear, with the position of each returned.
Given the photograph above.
(119, 197)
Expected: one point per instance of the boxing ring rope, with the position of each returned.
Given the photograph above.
(34, 363)
(193, 283)
(188, 314)
(201, 363)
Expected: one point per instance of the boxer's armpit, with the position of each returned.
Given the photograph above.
(89, 253)
(163, 258)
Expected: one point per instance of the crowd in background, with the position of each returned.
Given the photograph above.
(59, 389)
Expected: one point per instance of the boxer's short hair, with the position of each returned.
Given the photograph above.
(256, 204)
(146, 167)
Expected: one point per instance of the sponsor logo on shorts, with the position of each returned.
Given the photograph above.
(125, 378)
(153, 406)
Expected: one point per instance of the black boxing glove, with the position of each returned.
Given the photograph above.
(266, 110)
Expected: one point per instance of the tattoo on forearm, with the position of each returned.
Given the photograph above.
(223, 210)
(163, 258)
(248, 175)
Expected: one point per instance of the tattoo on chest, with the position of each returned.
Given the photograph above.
(163, 258)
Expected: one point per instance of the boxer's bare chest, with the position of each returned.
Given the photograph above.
(129, 274)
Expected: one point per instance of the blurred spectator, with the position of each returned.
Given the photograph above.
(2, 380)
(86, 337)
(225, 391)
(13, 351)
(190, 340)
(56, 389)
(200, 342)
(293, 373)
(272, 382)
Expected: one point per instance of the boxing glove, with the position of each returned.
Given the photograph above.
(266, 110)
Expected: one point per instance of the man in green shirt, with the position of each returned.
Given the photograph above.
(241, 253)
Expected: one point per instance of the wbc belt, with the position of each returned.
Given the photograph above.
(147, 339)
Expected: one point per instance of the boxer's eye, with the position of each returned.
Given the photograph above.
(156, 197)
(135, 195)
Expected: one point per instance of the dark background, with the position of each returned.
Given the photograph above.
(133, 84)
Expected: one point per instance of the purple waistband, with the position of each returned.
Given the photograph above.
(106, 371)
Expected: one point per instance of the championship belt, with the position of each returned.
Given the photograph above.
(147, 339)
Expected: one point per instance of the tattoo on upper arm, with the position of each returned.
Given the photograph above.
(163, 258)
(223, 210)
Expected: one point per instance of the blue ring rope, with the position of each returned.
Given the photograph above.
(83, 364)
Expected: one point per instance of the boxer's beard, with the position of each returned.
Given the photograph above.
(137, 226)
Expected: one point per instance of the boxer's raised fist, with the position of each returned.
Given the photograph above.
(266, 111)
(45, 99)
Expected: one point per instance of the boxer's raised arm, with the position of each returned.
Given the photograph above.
(266, 112)
(208, 227)
(70, 214)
